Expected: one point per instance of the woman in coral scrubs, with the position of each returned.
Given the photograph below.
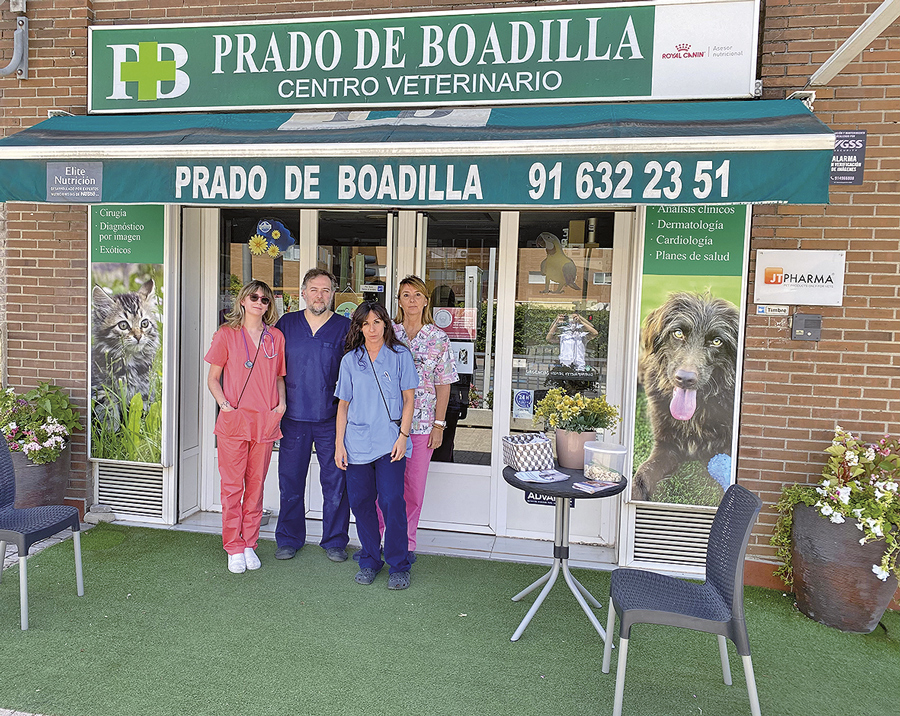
(246, 377)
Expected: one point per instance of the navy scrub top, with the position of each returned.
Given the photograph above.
(312, 363)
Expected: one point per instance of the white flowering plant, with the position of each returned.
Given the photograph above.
(38, 424)
(861, 483)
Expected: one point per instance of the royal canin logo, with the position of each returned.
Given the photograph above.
(682, 52)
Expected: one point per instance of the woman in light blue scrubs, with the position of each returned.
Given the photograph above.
(375, 391)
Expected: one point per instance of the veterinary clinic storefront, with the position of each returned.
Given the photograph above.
(570, 237)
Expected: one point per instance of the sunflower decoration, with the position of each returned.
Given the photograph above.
(258, 245)
(277, 235)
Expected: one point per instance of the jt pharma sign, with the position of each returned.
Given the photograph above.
(560, 54)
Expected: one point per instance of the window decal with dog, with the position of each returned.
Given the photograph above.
(689, 342)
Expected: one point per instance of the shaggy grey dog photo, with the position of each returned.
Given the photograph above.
(687, 368)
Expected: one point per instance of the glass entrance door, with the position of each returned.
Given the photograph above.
(277, 246)
(496, 297)
(457, 255)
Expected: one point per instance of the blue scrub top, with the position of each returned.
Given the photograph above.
(370, 432)
(312, 363)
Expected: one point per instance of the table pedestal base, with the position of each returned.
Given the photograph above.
(560, 564)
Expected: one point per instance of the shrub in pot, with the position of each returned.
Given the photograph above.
(37, 427)
(839, 540)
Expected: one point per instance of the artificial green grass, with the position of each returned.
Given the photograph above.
(164, 629)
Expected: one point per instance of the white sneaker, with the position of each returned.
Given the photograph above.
(251, 560)
(236, 563)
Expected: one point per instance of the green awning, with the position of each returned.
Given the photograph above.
(572, 156)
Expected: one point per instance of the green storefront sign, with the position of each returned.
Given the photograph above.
(538, 181)
(127, 234)
(525, 55)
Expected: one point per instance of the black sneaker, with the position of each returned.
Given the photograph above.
(366, 575)
(285, 553)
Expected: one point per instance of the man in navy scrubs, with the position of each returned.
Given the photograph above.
(314, 345)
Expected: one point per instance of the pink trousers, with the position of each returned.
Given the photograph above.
(242, 467)
(413, 486)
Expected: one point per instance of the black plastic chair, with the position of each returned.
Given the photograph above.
(716, 606)
(26, 526)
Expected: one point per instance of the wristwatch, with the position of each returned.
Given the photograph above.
(440, 424)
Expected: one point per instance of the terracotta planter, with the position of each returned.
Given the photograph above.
(38, 485)
(833, 579)
(570, 448)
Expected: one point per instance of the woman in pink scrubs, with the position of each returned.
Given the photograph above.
(246, 377)
(430, 347)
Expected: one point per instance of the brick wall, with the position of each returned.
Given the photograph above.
(793, 392)
(44, 247)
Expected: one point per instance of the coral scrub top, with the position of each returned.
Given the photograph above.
(253, 417)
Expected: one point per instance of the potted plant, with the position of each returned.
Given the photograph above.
(839, 540)
(576, 420)
(37, 427)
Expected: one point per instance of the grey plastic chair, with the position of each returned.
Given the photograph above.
(716, 606)
(24, 527)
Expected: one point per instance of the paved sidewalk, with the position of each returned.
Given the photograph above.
(7, 712)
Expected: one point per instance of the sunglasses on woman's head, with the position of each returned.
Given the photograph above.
(255, 297)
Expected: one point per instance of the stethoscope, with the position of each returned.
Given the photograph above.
(262, 343)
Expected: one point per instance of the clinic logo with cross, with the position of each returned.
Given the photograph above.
(148, 71)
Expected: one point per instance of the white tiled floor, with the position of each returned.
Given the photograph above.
(454, 544)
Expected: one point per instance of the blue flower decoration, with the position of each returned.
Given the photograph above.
(275, 233)
(719, 468)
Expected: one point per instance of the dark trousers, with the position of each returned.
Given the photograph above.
(381, 480)
(293, 467)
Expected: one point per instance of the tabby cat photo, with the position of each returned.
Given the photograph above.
(125, 343)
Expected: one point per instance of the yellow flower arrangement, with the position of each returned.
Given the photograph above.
(576, 413)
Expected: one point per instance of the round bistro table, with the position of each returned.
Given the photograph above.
(562, 492)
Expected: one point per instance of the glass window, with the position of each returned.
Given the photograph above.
(461, 273)
(354, 247)
(563, 292)
(262, 246)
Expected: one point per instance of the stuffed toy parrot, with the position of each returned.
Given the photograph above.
(557, 267)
